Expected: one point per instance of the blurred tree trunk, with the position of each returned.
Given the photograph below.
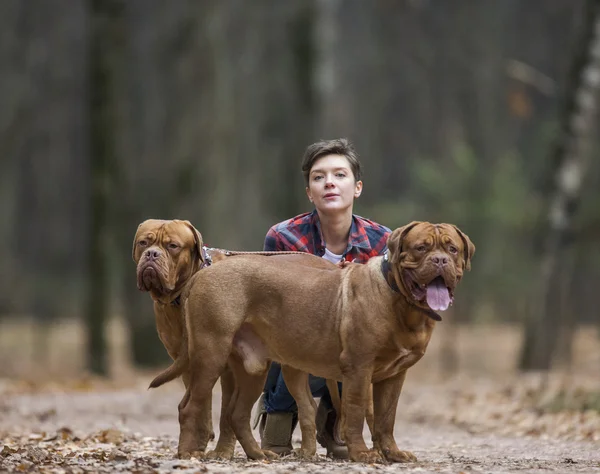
(104, 40)
(568, 314)
(570, 160)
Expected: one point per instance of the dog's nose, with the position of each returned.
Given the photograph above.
(152, 254)
(439, 259)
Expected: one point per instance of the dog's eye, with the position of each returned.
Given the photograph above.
(421, 248)
(453, 249)
(142, 243)
(173, 245)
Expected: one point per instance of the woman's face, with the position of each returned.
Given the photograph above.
(331, 184)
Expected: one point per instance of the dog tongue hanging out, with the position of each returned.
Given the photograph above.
(438, 296)
(430, 263)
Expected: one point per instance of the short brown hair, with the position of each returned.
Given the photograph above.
(338, 146)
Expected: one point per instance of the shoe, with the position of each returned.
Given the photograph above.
(325, 421)
(275, 429)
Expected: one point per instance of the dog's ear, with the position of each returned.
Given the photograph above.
(135, 241)
(197, 240)
(469, 248)
(394, 241)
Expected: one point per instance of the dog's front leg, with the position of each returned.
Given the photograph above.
(207, 362)
(354, 402)
(385, 401)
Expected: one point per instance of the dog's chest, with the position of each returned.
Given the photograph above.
(170, 329)
(399, 357)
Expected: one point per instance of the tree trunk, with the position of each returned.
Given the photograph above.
(568, 314)
(571, 156)
(104, 16)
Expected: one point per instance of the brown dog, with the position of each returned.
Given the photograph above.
(168, 253)
(361, 324)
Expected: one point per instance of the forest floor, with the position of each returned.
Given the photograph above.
(485, 419)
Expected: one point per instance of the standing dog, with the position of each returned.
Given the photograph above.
(362, 324)
(168, 253)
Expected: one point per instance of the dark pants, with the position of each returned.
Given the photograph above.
(278, 397)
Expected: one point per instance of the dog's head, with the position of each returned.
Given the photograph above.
(428, 261)
(167, 254)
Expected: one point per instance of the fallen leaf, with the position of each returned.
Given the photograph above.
(37, 455)
(110, 436)
(45, 415)
(7, 451)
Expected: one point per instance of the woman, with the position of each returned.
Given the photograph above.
(332, 173)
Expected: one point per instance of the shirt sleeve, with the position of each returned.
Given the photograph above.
(379, 240)
(272, 241)
(386, 234)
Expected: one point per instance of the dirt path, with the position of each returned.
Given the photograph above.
(451, 429)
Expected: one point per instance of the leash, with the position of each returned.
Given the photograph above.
(208, 261)
(265, 253)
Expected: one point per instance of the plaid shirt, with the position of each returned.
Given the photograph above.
(303, 234)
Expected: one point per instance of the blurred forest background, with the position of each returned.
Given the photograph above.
(479, 113)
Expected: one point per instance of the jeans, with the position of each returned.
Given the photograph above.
(279, 399)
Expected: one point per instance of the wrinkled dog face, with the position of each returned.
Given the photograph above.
(430, 259)
(167, 253)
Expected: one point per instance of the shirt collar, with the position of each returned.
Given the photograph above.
(358, 234)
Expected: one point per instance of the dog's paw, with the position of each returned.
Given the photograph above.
(262, 454)
(399, 456)
(270, 455)
(368, 457)
(305, 454)
(190, 454)
(220, 454)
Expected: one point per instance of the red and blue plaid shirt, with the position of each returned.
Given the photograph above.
(303, 234)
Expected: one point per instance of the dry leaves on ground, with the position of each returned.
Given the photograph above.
(465, 424)
(537, 405)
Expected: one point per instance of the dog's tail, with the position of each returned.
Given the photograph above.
(177, 368)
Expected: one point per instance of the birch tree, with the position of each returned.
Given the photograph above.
(571, 159)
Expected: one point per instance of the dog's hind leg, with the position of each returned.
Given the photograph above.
(207, 364)
(248, 388)
(204, 425)
(297, 384)
(226, 443)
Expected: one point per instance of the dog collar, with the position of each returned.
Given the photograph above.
(207, 263)
(385, 270)
(206, 257)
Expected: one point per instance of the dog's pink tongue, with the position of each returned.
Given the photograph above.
(438, 296)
